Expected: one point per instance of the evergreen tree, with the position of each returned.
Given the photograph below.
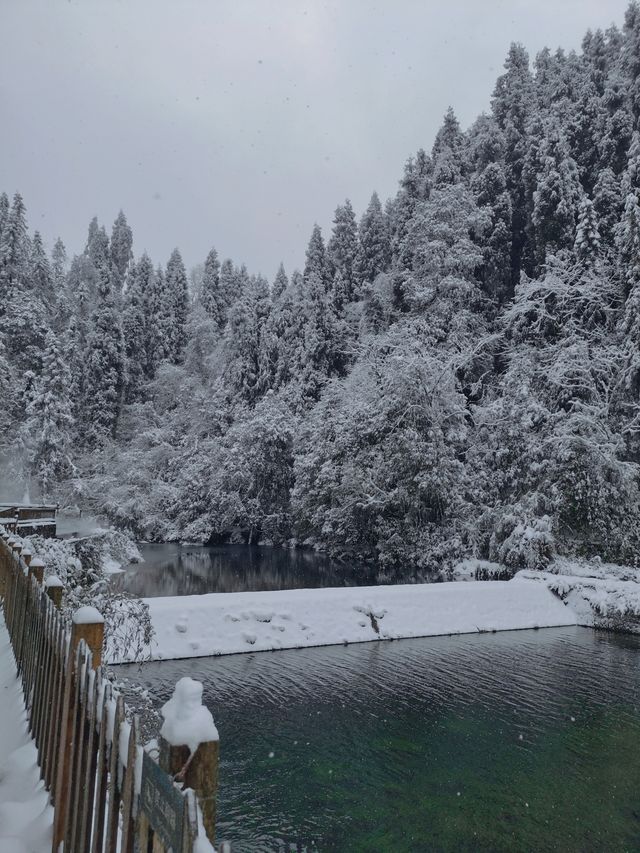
(629, 243)
(246, 324)
(4, 210)
(630, 56)
(13, 249)
(59, 284)
(177, 295)
(373, 243)
(47, 430)
(583, 135)
(120, 249)
(447, 153)
(491, 193)
(211, 296)
(134, 331)
(280, 284)
(342, 248)
(607, 203)
(58, 266)
(105, 363)
(587, 242)
(512, 106)
(40, 274)
(316, 259)
(415, 186)
(157, 316)
(230, 283)
(449, 136)
(594, 52)
(556, 199)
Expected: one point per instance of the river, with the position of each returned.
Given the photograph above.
(522, 741)
(174, 569)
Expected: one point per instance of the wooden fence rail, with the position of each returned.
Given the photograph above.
(109, 794)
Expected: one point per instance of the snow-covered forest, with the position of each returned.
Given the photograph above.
(454, 373)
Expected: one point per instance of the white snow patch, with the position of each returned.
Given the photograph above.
(26, 816)
(228, 623)
(87, 616)
(187, 722)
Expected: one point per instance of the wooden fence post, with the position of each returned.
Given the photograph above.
(201, 775)
(87, 625)
(198, 770)
(36, 567)
(54, 587)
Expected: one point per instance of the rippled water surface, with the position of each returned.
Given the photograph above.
(173, 569)
(521, 741)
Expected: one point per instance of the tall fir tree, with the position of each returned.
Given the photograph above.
(280, 284)
(105, 360)
(316, 259)
(374, 249)
(607, 202)
(47, 430)
(177, 295)
(14, 249)
(342, 247)
(211, 297)
(513, 104)
(40, 274)
(556, 199)
(587, 242)
(4, 211)
(120, 249)
(134, 321)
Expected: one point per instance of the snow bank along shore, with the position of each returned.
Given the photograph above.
(228, 623)
(602, 595)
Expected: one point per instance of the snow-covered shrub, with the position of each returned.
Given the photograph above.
(82, 565)
(523, 543)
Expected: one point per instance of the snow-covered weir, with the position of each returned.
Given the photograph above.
(100, 789)
(228, 623)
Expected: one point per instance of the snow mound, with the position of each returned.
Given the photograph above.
(187, 722)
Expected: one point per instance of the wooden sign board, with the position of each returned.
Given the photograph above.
(163, 804)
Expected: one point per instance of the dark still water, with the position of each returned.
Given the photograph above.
(523, 741)
(173, 569)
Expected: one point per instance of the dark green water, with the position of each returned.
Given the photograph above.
(522, 741)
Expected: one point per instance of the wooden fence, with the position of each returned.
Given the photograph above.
(108, 793)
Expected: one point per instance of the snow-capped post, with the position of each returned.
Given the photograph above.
(88, 625)
(53, 587)
(36, 568)
(190, 746)
(26, 556)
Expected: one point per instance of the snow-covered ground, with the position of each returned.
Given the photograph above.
(602, 595)
(228, 623)
(26, 817)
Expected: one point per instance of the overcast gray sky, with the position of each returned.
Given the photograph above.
(239, 123)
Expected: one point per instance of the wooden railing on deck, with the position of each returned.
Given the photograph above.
(89, 753)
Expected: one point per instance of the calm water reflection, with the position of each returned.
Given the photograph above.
(524, 741)
(172, 569)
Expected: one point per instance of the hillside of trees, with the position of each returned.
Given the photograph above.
(455, 373)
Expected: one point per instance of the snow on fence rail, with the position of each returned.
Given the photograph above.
(107, 790)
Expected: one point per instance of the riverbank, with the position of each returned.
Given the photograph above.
(602, 595)
(231, 623)
(26, 816)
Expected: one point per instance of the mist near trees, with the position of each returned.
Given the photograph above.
(455, 372)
